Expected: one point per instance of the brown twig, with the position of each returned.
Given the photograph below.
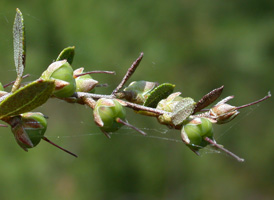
(129, 73)
(255, 102)
(95, 72)
(52, 143)
(27, 75)
(223, 149)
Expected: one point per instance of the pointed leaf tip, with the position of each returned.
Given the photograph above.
(19, 42)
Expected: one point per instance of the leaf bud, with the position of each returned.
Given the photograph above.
(178, 109)
(170, 102)
(223, 113)
(84, 83)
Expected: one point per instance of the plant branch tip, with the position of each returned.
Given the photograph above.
(131, 126)
(218, 146)
(255, 102)
(52, 143)
(95, 72)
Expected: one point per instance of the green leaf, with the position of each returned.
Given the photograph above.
(160, 92)
(27, 98)
(19, 43)
(67, 54)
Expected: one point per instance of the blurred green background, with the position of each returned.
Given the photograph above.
(197, 45)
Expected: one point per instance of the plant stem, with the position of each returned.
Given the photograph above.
(125, 103)
(223, 149)
(131, 126)
(47, 140)
(255, 102)
(129, 73)
(27, 75)
(95, 72)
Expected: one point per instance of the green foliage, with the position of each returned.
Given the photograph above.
(26, 98)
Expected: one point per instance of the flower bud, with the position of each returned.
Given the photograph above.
(170, 102)
(106, 113)
(178, 108)
(168, 105)
(62, 73)
(138, 91)
(194, 132)
(84, 83)
(28, 129)
(223, 113)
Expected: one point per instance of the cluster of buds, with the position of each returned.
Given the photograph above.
(59, 80)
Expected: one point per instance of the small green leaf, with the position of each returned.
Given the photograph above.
(27, 98)
(67, 54)
(160, 92)
(19, 47)
(19, 43)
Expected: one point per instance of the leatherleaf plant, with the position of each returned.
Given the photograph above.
(191, 118)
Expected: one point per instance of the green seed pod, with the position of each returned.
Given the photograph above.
(194, 132)
(84, 83)
(138, 91)
(223, 113)
(62, 73)
(28, 129)
(106, 113)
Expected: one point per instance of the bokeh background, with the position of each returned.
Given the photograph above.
(197, 45)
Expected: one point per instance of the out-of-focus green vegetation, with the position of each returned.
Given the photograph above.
(197, 45)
